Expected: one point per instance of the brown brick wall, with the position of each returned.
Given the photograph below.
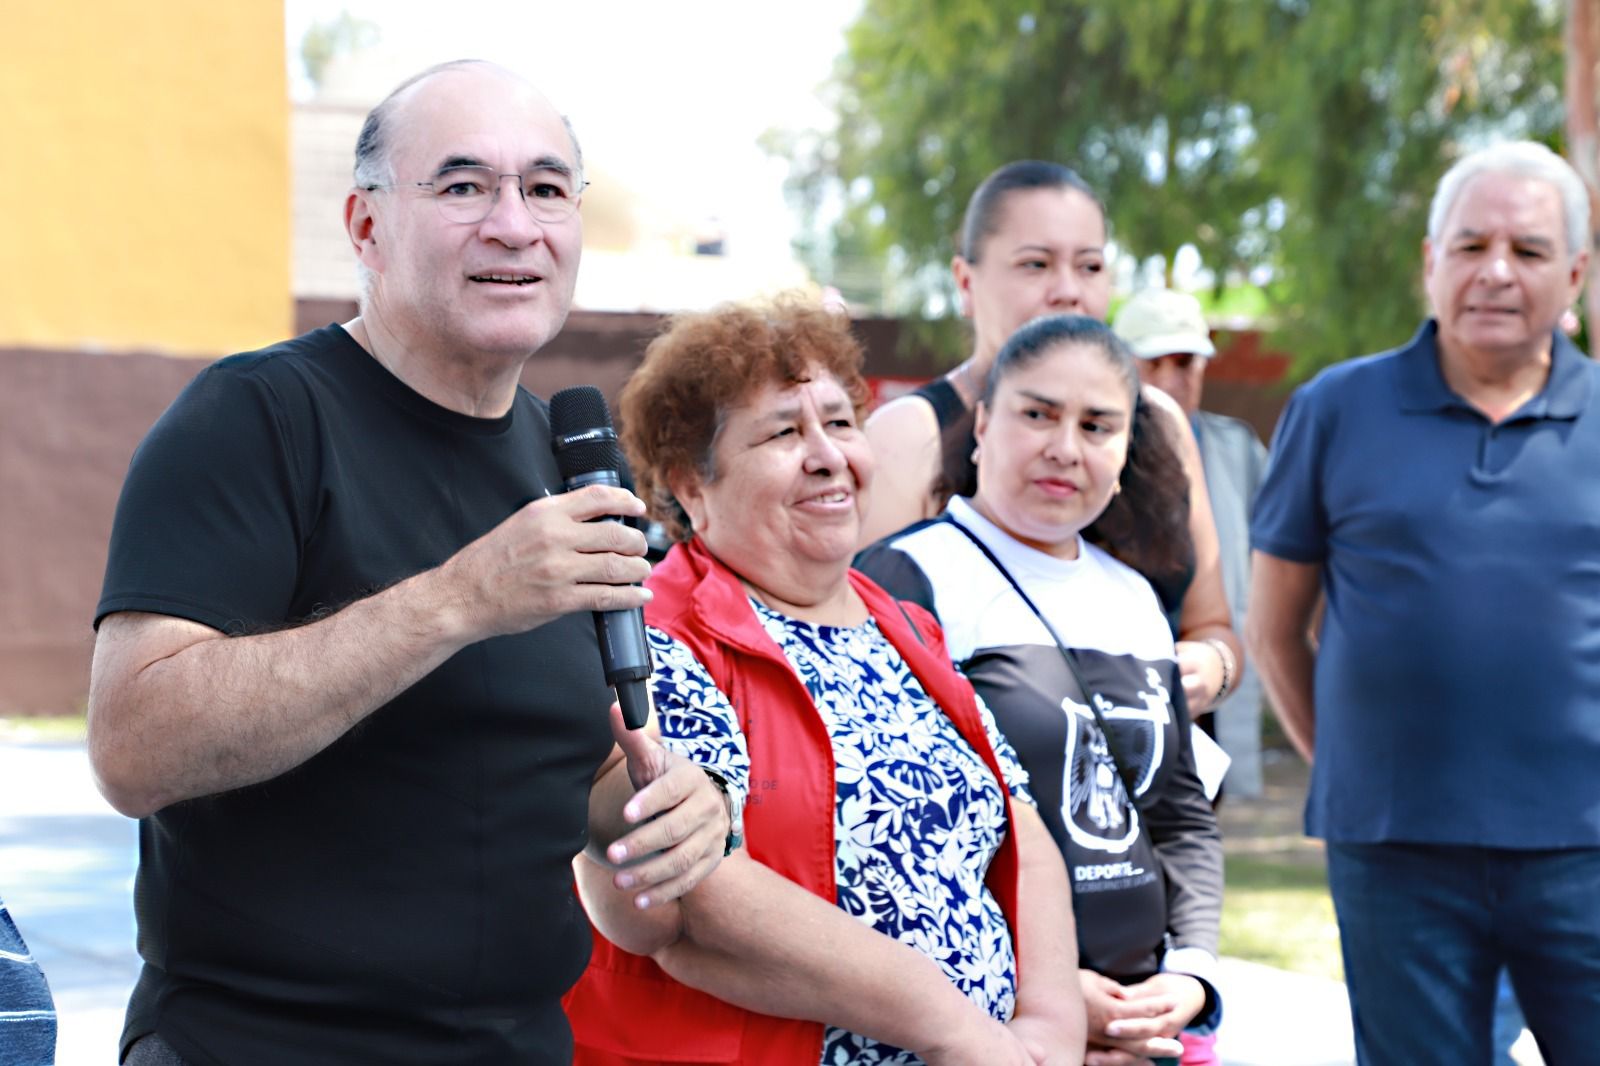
(69, 422)
(68, 425)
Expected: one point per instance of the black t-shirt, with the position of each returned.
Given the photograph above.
(405, 895)
(1143, 871)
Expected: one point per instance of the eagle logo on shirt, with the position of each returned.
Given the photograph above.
(1095, 803)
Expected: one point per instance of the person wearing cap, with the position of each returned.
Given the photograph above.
(1168, 332)
(1441, 501)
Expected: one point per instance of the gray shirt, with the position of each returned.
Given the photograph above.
(1234, 460)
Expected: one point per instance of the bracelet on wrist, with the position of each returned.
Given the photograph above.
(735, 804)
(1230, 666)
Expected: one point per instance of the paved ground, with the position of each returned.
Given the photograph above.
(66, 871)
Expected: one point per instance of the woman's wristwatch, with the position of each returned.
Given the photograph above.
(735, 812)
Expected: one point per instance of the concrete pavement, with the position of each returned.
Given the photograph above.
(1272, 1017)
(66, 871)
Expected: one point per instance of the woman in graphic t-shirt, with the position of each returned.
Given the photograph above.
(1070, 649)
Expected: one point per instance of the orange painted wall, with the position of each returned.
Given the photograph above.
(147, 149)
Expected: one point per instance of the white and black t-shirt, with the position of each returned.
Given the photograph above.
(1141, 870)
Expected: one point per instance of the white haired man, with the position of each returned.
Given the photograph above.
(1442, 500)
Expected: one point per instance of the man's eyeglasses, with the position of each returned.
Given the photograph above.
(469, 193)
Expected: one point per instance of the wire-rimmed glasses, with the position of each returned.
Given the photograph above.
(468, 193)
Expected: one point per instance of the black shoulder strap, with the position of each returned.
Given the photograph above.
(944, 399)
(1089, 694)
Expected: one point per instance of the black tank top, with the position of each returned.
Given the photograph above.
(944, 399)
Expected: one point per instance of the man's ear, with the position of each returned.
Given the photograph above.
(1580, 267)
(961, 270)
(362, 228)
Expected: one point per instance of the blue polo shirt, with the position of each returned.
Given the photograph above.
(1458, 676)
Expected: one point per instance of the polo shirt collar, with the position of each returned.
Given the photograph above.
(1422, 386)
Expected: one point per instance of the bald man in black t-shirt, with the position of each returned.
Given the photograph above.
(345, 671)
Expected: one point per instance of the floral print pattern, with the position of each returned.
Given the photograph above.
(918, 816)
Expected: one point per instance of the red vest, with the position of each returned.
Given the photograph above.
(625, 1010)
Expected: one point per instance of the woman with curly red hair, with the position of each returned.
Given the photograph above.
(897, 898)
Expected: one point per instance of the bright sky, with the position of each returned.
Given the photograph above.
(669, 97)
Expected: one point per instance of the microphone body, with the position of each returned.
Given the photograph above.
(587, 454)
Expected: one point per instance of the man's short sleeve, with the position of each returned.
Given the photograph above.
(1289, 519)
(207, 527)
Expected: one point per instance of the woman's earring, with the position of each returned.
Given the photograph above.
(1118, 490)
(976, 448)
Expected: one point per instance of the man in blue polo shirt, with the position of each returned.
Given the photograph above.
(1444, 501)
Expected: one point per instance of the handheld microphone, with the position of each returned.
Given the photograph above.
(587, 454)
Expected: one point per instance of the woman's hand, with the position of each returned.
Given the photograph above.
(1104, 1056)
(1121, 1029)
(1051, 1041)
(979, 1040)
(1200, 666)
(1179, 997)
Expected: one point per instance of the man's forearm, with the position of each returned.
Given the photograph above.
(1283, 600)
(213, 713)
(1286, 667)
(177, 710)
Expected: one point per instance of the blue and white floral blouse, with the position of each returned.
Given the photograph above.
(918, 816)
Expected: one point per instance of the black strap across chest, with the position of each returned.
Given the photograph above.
(1089, 694)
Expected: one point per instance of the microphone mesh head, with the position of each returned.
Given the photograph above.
(575, 413)
(577, 409)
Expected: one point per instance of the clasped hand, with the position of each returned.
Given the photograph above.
(1200, 667)
(681, 820)
(1131, 1024)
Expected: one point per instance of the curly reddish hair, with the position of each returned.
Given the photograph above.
(707, 362)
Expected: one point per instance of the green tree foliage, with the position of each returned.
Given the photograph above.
(1296, 138)
(332, 37)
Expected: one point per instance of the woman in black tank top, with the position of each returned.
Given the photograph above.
(1032, 244)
